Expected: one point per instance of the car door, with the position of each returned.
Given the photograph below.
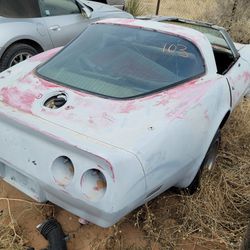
(64, 20)
(235, 74)
(228, 61)
(237, 80)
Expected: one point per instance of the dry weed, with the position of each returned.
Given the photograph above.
(234, 15)
(11, 236)
(217, 214)
(135, 7)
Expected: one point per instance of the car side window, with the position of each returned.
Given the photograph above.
(58, 7)
(225, 53)
(19, 9)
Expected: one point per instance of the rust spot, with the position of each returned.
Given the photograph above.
(100, 184)
(69, 107)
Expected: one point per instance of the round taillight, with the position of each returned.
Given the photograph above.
(62, 170)
(93, 184)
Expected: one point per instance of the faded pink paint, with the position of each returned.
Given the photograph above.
(45, 55)
(18, 98)
(26, 93)
(186, 97)
(206, 115)
(37, 83)
(110, 167)
(32, 88)
(246, 77)
(171, 93)
(127, 107)
(43, 84)
(27, 78)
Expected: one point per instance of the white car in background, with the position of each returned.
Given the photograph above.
(28, 27)
(117, 3)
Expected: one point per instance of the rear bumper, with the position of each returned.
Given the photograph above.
(27, 155)
(42, 192)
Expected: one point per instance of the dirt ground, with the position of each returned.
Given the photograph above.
(82, 237)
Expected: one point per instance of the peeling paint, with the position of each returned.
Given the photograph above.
(133, 143)
(45, 55)
(17, 98)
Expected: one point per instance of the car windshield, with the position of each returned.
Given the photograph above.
(123, 62)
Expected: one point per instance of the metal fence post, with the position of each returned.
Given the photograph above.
(234, 9)
(158, 7)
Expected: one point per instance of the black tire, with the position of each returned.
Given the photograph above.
(15, 53)
(208, 163)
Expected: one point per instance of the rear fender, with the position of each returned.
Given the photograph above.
(217, 109)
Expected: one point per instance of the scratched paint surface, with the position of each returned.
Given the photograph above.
(161, 138)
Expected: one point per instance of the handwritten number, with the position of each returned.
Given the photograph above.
(172, 48)
(183, 50)
(180, 48)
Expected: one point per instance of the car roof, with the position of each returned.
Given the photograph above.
(185, 32)
(196, 37)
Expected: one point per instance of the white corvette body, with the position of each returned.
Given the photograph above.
(138, 147)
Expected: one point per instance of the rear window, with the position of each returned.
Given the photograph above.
(122, 62)
(19, 8)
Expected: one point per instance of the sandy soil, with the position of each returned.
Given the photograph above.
(82, 237)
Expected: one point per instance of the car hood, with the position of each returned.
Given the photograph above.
(122, 123)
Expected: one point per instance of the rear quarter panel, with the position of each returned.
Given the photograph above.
(178, 143)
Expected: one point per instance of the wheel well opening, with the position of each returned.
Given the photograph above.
(224, 119)
(32, 43)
